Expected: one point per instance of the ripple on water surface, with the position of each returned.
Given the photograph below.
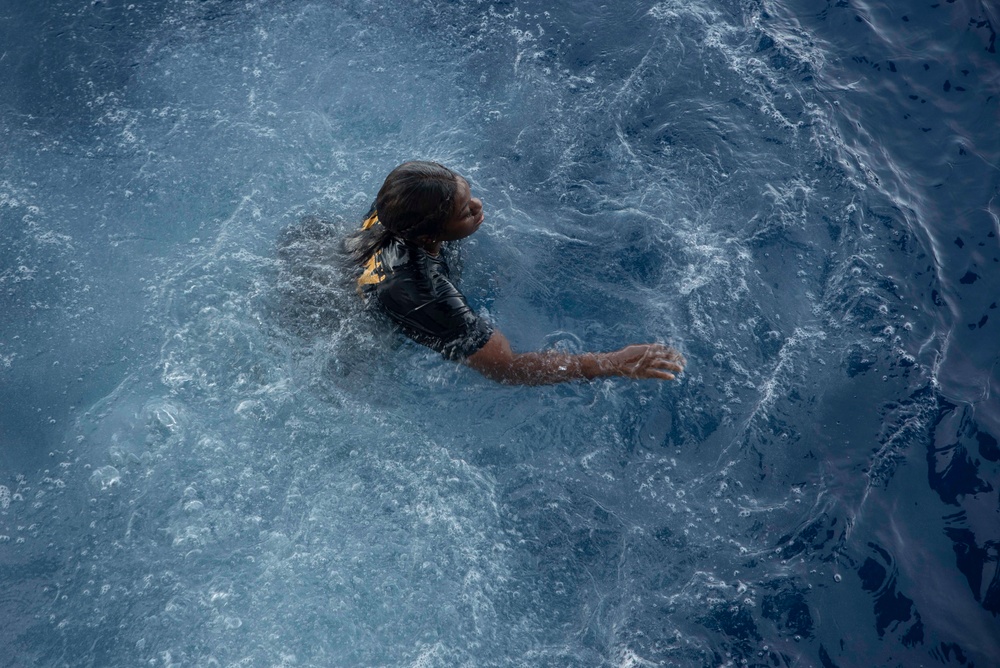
(245, 470)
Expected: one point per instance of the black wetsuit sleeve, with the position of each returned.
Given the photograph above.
(445, 323)
(415, 291)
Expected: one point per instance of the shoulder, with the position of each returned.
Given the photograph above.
(399, 271)
(406, 262)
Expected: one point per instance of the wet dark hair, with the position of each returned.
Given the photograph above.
(415, 200)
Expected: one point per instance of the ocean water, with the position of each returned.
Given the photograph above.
(209, 456)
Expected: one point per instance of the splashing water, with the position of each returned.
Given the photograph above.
(214, 457)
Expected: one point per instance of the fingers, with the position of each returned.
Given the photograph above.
(654, 374)
(668, 357)
(658, 361)
(664, 351)
(651, 360)
(666, 363)
(674, 356)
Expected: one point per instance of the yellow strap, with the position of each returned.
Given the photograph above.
(372, 273)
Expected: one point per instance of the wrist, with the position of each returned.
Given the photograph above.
(596, 365)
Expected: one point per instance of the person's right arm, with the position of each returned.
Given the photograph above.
(497, 361)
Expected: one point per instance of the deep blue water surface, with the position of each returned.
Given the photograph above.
(209, 457)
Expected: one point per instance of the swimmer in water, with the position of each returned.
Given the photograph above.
(398, 248)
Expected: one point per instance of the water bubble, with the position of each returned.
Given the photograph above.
(837, 578)
(105, 477)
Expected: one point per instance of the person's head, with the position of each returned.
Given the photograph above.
(422, 202)
(427, 202)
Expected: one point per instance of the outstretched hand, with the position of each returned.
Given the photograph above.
(650, 360)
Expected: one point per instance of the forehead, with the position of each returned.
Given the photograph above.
(463, 194)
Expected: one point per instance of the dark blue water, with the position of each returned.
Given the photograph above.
(208, 457)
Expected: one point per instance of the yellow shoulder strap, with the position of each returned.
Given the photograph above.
(373, 272)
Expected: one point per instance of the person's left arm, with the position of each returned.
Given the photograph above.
(497, 361)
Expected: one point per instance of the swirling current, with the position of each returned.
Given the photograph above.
(209, 456)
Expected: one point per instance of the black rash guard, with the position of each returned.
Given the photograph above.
(414, 289)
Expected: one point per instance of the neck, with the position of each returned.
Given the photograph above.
(432, 247)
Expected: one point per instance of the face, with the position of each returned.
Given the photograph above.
(466, 217)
